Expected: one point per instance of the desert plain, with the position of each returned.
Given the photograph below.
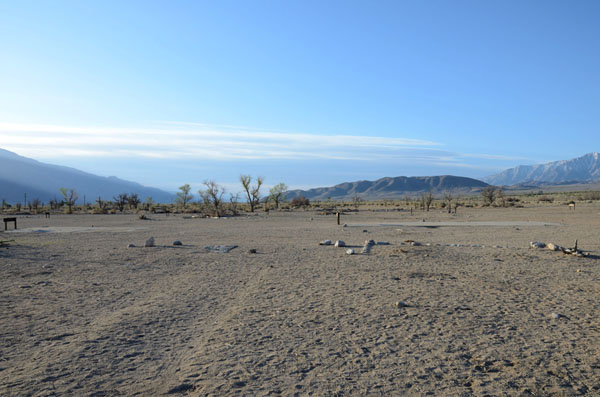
(470, 309)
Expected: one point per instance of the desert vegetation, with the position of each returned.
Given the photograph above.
(214, 200)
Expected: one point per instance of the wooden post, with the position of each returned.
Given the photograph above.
(338, 217)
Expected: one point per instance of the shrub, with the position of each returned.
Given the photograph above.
(300, 201)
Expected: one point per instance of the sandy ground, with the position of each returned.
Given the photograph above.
(82, 314)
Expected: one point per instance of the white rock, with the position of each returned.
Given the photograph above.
(401, 304)
(555, 315)
(350, 251)
(553, 247)
(150, 242)
(537, 244)
(325, 242)
(340, 243)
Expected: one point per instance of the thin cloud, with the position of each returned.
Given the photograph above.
(195, 141)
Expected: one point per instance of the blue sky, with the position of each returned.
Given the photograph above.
(311, 93)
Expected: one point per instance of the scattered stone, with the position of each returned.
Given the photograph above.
(325, 242)
(537, 244)
(339, 243)
(365, 231)
(345, 225)
(367, 247)
(223, 249)
(131, 245)
(555, 315)
(24, 286)
(177, 242)
(578, 270)
(415, 244)
(350, 251)
(401, 304)
(149, 242)
(553, 247)
(252, 251)
(383, 243)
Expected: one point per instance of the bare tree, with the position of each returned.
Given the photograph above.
(448, 198)
(252, 192)
(184, 196)
(489, 194)
(121, 201)
(35, 203)
(213, 196)
(234, 201)
(356, 201)
(277, 193)
(133, 200)
(70, 197)
(426, 199)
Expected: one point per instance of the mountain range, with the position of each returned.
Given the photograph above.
(392, 188)
(21, 175)
(581, 169)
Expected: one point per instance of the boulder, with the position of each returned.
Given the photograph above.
(149, 242)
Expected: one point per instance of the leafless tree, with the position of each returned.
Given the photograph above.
(448, 198)
(133, 200)
(70, 197)
(213, 196)
(356, 201)
(489, 194)
(121, 201)
(234, 201)
(35, 203)
(252, 192)
(426, 200)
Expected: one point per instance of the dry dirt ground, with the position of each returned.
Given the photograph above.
(83, 314)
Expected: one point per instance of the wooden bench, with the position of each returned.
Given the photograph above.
(13, 220)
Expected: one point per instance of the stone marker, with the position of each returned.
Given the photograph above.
(367, 247)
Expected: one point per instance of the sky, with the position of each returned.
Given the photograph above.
(309, 93)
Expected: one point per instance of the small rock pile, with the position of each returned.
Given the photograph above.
(554, 247)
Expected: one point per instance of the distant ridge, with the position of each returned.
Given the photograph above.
(391, 188)
(581, 169)
(20, 175)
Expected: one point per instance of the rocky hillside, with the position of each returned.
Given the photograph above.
(580, 169)
(391, 188)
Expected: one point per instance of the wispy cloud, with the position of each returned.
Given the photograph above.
(189, 140)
